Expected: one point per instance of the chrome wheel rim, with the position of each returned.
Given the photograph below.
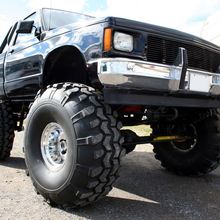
(54, 146)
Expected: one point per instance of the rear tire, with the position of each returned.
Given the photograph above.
(129, 136)
(7, 127)
(199, 157)
(91, 159)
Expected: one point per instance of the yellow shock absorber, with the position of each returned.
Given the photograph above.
(169, 138)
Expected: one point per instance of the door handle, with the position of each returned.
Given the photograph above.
(11, 51)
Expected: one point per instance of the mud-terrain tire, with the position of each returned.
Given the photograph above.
(7, 126)
(201, 159)
(89, 165)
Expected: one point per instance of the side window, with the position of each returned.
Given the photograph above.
(22, 38)
(5, 48)
(10, 37)
(4, 45)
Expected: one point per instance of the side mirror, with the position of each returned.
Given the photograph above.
(25, 27)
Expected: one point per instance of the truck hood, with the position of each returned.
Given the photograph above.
(141, 26)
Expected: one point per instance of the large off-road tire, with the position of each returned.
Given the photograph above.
(198, 156)
(7, 126)
(72, 145)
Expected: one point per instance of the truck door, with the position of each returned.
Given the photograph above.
(2, 58)
(3, 51)
(23, 63)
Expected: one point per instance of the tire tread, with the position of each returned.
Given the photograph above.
(105, 139)
(6, 130)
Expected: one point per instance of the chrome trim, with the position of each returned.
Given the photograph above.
(54, 146)
(24, 77)
(160, 69)
(154, 76)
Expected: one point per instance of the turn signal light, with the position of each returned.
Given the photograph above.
(107, 39)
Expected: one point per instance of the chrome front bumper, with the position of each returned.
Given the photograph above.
(145, 75)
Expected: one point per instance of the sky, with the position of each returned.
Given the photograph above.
(184, 15)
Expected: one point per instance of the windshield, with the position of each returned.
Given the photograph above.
(56, 18)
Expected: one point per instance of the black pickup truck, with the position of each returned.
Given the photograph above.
(80, 80)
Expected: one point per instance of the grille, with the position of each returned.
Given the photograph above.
(165, 51)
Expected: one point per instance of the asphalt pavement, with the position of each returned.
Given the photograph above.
(144, 191)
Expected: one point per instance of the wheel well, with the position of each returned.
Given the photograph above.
(65, 64)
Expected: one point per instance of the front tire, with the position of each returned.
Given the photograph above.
(72, 145)
(197, 156)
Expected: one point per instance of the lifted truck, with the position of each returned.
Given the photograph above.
(80, 79)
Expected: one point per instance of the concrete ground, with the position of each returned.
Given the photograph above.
(144, 191)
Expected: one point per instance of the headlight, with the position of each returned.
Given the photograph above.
(123, 42)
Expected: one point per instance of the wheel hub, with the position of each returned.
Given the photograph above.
(54, 146)
(187, 131)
